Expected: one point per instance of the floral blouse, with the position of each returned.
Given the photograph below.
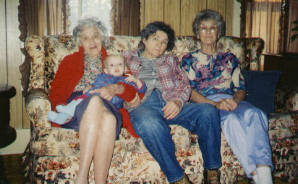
(92, 67)
(212, 74)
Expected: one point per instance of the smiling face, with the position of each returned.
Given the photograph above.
(208, 32)
(155, 44)
(90, 40)
(114, 65)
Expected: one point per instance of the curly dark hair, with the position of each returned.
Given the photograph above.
(152, 28)
(209, 15)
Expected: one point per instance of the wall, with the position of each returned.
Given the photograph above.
(181, 13)
(11, 58)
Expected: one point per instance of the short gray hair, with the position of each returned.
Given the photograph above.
(89, 22)
(209, 15)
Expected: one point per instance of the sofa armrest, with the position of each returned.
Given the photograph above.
(38, 106)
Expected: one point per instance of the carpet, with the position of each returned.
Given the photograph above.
(12, 171)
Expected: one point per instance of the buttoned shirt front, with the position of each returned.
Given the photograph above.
(174, 83)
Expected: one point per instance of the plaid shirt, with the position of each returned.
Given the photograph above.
(174, 82)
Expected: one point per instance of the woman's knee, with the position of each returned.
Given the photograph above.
(95, 102)
(207, 112)
(99, 115)
(207, 117)
(230, 120)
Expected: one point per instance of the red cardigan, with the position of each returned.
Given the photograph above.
(69, 73)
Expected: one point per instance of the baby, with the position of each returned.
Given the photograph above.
(114, 70)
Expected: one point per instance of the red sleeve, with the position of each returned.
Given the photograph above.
(141, 95)
(67, 76)
(129, 92)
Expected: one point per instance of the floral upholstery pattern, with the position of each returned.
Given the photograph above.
(52, 155)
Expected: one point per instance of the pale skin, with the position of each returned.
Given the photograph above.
(155, 46)
(98, 125)
(208, 35)
(115, 65)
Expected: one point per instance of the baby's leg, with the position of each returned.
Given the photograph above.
(69, 108)
(59, 118)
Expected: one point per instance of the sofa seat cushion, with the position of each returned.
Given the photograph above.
(59, 148)
(53, 145)
(129, 163)
(62, 142)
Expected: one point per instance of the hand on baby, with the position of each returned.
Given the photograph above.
(105, 92)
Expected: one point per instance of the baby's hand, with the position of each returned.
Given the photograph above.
(132, 78)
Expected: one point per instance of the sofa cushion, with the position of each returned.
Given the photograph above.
(260, 88)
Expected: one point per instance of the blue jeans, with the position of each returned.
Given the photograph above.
(154, 130)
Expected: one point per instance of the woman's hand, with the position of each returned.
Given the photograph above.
(104, 92)
(228, 104)
(172, 109)
(109, 91)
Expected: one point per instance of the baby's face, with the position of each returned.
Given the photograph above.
(115, 66)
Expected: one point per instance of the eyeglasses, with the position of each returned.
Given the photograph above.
(204, 29)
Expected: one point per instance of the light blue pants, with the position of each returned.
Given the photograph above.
(246, 130)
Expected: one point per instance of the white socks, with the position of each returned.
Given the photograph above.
(263, 175)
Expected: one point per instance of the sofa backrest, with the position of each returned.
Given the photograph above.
(47, 52)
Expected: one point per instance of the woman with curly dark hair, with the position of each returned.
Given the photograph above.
(165, 103)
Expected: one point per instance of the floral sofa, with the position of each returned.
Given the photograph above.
(52, 155)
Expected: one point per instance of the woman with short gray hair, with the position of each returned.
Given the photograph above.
(209, 15)
(87, 23)
(216, 79)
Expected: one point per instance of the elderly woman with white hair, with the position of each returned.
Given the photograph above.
(96, 119)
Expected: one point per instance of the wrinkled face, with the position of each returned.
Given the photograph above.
(208, 32)
(155, 45)
(114, 65)
(90, 40)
